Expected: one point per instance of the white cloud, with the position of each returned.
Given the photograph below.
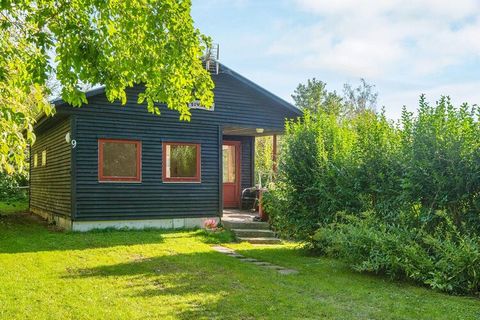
(441, 8)
(373, 38)
(404, 47)
(464, 92)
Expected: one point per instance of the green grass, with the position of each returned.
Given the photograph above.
(13, 206)
(46, 274)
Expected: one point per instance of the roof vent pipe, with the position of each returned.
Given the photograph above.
(211, 57)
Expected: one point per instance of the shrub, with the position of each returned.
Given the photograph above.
(445, 262)
(9, 187)
(442, 151)
(401, 199)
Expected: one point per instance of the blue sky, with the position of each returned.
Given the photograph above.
(403, 47)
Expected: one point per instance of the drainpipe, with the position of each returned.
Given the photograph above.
(274, 153)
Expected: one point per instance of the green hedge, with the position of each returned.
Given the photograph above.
(411, 177)
(10, 187)
(444, 260)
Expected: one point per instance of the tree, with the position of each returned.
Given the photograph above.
(264, 160)
(314, 96)
(114, 43)
(361, 98)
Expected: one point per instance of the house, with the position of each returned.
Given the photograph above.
(107, 165)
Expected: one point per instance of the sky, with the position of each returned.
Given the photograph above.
(403, 47)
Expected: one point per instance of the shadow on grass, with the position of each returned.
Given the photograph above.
(213, 285)
(206, 284)
(218, 237)
(28, 233)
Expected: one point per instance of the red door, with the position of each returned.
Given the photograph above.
(231, 174)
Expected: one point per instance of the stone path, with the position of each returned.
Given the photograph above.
(267, 265)
(246, 228)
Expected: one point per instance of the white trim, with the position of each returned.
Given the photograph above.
(171, 223)
(196, 105)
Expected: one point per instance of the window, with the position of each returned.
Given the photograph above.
(119, 160)
(44, 158)
(181, 162)
(35, 160)
(229, 163)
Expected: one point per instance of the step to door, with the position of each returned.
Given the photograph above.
(245, 225)
(260, 240)
(253, 233)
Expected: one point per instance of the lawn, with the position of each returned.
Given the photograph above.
(46, 274)
(13, 206)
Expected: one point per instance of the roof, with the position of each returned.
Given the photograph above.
(223, 69)
(259, 89)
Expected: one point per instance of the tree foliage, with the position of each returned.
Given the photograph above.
(361, 98)
(397, 198)
(112, 43)
(314, 97)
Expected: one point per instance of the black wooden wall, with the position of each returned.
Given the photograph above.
(151, 198)
(50, 185)
(237, 104)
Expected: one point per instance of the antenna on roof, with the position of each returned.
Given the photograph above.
(211, 58)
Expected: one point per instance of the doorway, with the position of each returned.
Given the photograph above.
(231, 174)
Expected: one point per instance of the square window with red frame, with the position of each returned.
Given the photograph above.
(181, 162)
(119, 160)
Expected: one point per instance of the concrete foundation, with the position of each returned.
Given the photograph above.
(59, 221)
(82, 226)
(177, 223)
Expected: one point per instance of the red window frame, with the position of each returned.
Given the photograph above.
(196, 178)
(103, 178)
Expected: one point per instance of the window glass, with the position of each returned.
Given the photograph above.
(35, 160)
(229, 163)
(44, 158)
(120, 160)
(182, 161)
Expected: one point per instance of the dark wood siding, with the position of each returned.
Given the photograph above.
(236, 104)
(50, 185)
(151, 198)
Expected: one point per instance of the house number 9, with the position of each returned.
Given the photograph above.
(74, 143)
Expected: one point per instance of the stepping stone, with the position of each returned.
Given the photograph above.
(249, 260)
(231, 253)
(274, 267)
(223, 249)
(287, 271)
(262, 263)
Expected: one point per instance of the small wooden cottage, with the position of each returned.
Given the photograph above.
(107, 165)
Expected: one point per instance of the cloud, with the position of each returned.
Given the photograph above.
(374, 39)
(404, 47)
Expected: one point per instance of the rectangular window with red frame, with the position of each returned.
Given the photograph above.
(119, 160)
(181, 162)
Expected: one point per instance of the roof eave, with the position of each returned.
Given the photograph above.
(263, 91)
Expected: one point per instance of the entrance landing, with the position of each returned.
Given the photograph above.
(237, 215)
(246, 228)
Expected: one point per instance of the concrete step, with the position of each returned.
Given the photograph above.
(245, 225)
(254, 233)
(260, 240)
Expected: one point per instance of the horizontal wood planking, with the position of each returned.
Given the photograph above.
(50, 185)
(152, 198)
(236, 104)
